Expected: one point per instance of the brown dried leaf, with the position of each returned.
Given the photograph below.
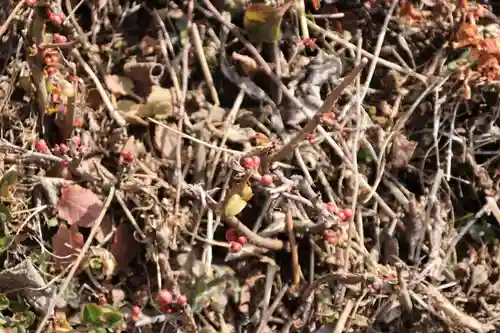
(166, 140)
(248, 64)
(124, 247)
(120, 85)
(66, 242)
(467, 35)
(402, 151)
(408, 12)
(79, 206)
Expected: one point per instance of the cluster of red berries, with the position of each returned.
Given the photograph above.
(236, 241)
(251, 162)
(59, 39)
(55, 18)
(31, 2)
(165, 300)
(126, 157)
(344, 214)
(330, 236)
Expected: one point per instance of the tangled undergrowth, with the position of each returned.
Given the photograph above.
(241, 166)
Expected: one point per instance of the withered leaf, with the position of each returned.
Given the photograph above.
(124, 247)
(166, 140)
(79, 206)
(402, 151)
(66, 242)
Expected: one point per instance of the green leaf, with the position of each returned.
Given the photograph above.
(91, 314)
(262, 22)
(26, 318)
(4, 302)
(18, 329)
(112, 319)
(181, 26)
(5, 241)
(5, 215)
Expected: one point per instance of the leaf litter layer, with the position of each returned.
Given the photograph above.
(246, 166)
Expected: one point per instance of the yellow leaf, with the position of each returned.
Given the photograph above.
(262, 22)
(8, 181)
(234, 205)
(246, 194)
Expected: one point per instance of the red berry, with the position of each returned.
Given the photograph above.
(55, 58)
(48, 60)
(58, 38)
(242, 240)
(63, 149)
(31, 2)
(56, 19)
(135, 312)
(127, 156)
(64, 163)
(330, 206)
(231, 235)
(330, 236)
(347, 213)
(340, 215)
(164, 297)
(236, 247)
(181, 299)
(266, 179)
(78, 123)
(51, 70)
(41, 146)
(248, 162)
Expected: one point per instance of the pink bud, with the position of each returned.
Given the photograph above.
(58, 38)
(41, 146)
(76, 140)
(330, 206)
(347, 213)
(181, 299)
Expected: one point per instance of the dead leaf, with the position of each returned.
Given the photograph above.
(79, 206)
(124, 247)
(240, 134)
(66, 242)
(490, 46)
(402, 151)
(408, 12)
(166, 140)
(248, 64)
(120, 85)
(467, 35)
(159, 102)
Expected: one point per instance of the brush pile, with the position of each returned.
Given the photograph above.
(250, 167)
